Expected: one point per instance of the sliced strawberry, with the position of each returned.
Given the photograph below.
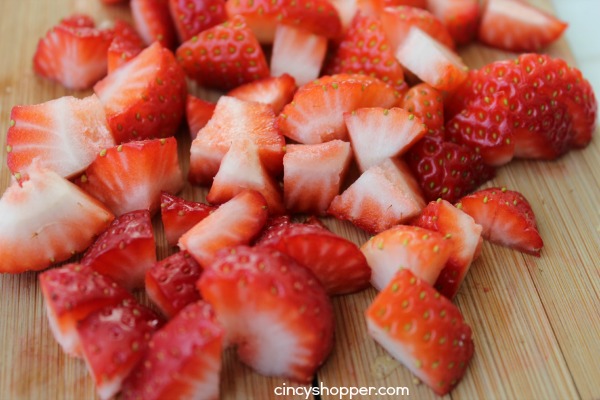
(125, 250)
(71, 293)
(515, 25)
(426, 103)
(234, 223)
(346, 10)
(273, 227)
(78, 21)
(277, 91)
(179, 215)
(194, 16)
(131, 176)
(63, 135)
(46, 219)
(313, 175)
(383, 196)
(461, 18)
(183, 360)
(125, 45)
(257, 295)
(422, 330)
(376, 7)
(198, 112)
(379, 133)
(153, 22)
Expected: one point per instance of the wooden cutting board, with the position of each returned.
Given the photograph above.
(536, 321)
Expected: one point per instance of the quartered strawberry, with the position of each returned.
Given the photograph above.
(145, 98)
(113, 340)
(46, 219)
(197, 113)
(460, 17)
(313, 175)
(376, 7)
(125, 45)
(73, 53)
(427, 103)
(273, 309)
(224, 56)
(179, 216)
(71, 293)
(63, 135)
(125, 250)
(515, 25)
(132, 176)
(234, 223)
(506, 217)
(194, 16)
(422, 330)
(273, 227)
(152, 19)
(78, 21)
(277, 91)
(183, 360)
(422, 251)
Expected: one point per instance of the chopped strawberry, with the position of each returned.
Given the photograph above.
(153, 22)
(46, 219)
(273, 226)
(426, 103)
(313, 175)
(71, 293)
(515, 25)
(179, 216)
(461, 18)
(422, 251)
(376, 7)
(346, 10)
(379, 133)
(194, 16)
(183, 360)
(383, 196)
(63, 135)
(126, 44)
(131, 176)
(234, 223)
(277, 91)
(422, 330)
(78, 21)
(198, 112)
(273, 309)
(224, 56)
(125, 250)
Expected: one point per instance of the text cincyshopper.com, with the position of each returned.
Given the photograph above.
(342, 392)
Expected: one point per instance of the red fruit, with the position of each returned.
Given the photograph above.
(273, 227)
(194, 16)
(78, 21)
(179, 215)
(422, 330)
(125, 45)
(153, 22)
(125, 250)
(427, 103)
(277, 91)
(376, 7)
(198, 112)
(461, 18)
(273, 309)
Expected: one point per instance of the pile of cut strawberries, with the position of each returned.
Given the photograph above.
(360, 110)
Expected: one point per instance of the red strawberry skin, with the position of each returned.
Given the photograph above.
(198, 112)
(194, 16)
(461, 18)
(125, 45)
(427, 103)
(179, 216)
(153, 21)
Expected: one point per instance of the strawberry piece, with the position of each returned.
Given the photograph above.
(78, 21)
(464, 237)
(71, 293)
(514, 25)
(506, 217)
(171, 283)
(426, 103)
(460, 17)
(224, 56)
(273, 226)
(256, 294)
(376, 7)
(146, 97)
(152, 19)
(131, 176)
(377, 134)
(336, 262)
(277, 91)
(422, 251)
(73, 53)
(183, 360)
(383, 196)
(234, 223)
(422, 330)
(125, 250)
(194, 16)
(125, 45)
(63, 135)
(234, 120)
(316, 113)
(198, 112)
(313, 175)
(113, 339)
(46, 219)
(179, 216)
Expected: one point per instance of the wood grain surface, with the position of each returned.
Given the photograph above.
(536, 321)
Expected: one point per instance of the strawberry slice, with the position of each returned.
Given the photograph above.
(422, 330)
(125, 45)
(194, 16)
(427, 103)
(515, 25)
(46, 219)
(63, 135)
(131, 176)
(125, 250)
(276, 91)
(460, 17)
(179, 216)
(376, 7)
(152, 19)
(71, 293)
(183, 360)
(313, 175)
(256, 294)
(422, 251)
(506, 217)
(145, 98)
(198, 112)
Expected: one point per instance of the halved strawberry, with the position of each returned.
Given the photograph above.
(273, 309)
(125, 250)
(179, 216)
(313, 175)
(277, 91)
(153, 22)
(63, 135)
(422, 330)
(46, 219)
(426, 103)
(194, 16)
(71, 293)
(125, 45)
(145, 98)
(131, 176)
(461, 18)
(183, 360)
(198, 112)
